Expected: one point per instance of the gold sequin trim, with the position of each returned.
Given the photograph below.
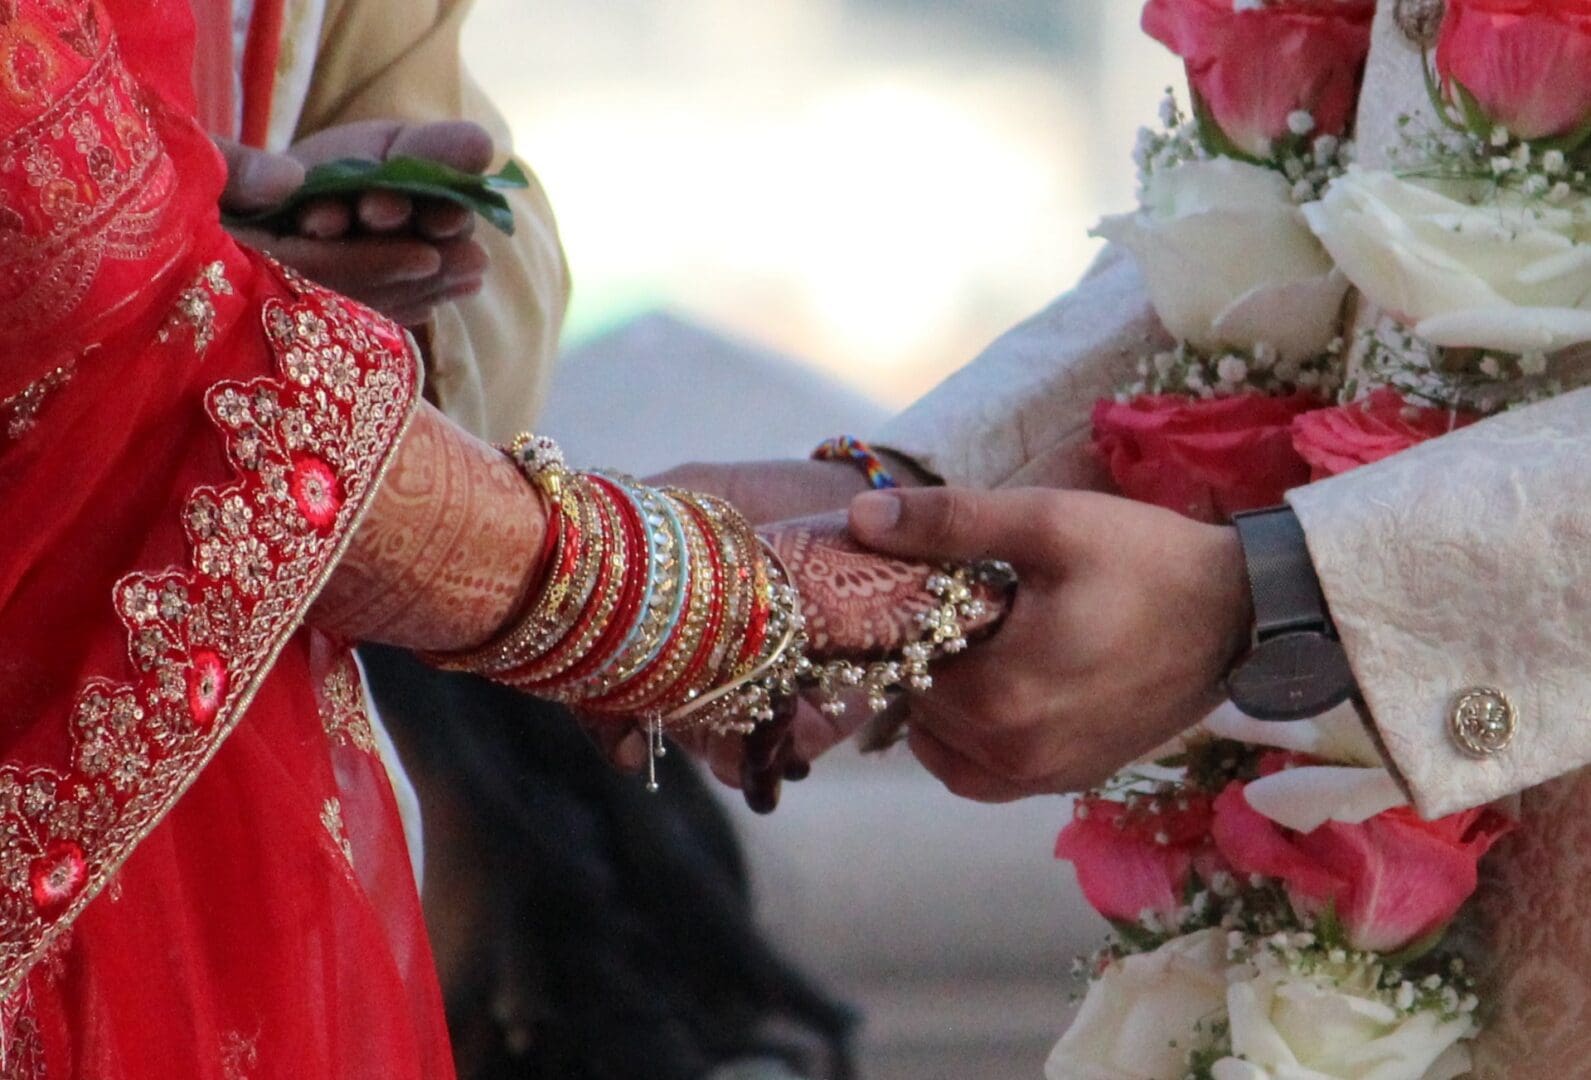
(309, 445)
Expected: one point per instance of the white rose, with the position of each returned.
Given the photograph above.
(1140, 1018)
(1354, 787)
(1287, 1026)
(1230, 262)
(1507, 275)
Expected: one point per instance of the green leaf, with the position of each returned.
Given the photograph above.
(1416, 950)
(1135, 936)
(1570, 143)
(424, 179)
(1475, 118)
(1329, 930)
(1433, 87)
(1215, 140)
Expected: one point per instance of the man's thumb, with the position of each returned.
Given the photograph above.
(929, 523)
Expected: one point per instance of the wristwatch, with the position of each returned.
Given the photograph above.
(1297, 667)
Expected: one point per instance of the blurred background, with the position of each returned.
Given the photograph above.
(879, 186)
(786, 219)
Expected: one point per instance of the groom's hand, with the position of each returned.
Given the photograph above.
(1125, 622)
(399, 255)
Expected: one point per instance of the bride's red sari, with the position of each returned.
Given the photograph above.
(201, 870)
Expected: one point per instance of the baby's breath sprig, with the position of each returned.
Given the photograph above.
(1175, 142)
(1493, 162)
(1310, 162)
(1474, 381)
(1470, 147)
(1191, 372)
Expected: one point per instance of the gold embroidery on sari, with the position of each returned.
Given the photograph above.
(331, 816)
(21, 1049)
(196, 307)
(342, 707)
(20, 411)
(85, 182)
(309, 445)
(240, 1055)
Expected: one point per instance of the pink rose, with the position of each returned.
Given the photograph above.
(1254, 66)
(1206, 458)
(1391, 880)
(1527, 63)
(1132, 859)
(1335, 440)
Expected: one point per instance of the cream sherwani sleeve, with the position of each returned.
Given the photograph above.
(1020, 413)
(1462, 567)
(490, 356)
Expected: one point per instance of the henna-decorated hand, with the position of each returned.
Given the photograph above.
(859, 605)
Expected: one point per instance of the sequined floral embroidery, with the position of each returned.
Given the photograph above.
(20, 411)
(342, 707)
(240, 1056)
(21, 1051)
(196, 307)
(84, 185)
(308, 445)
(331, 816)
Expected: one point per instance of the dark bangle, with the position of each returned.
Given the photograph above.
(850, 448)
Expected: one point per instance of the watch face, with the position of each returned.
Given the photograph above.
(1292, 677)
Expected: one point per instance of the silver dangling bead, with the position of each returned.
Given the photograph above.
(655, 751)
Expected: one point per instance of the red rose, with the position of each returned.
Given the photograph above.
(1254, 66)
(1526, 62)
(1136, 859)
(1206, 458)
(1347, 436)
(1391, 880)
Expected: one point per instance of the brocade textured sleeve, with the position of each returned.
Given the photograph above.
(1459, 575)
(1020, 413)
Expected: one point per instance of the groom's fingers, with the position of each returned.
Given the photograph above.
(961, 775)
(1025, 527)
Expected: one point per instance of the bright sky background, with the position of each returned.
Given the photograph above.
(878, 186)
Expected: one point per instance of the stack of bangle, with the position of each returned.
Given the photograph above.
(663, 607)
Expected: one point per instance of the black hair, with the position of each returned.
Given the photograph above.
(612, 935)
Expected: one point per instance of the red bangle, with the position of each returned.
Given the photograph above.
(664, 699)
(542, 672)
(637, 572)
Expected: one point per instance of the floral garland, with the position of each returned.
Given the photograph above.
(1279, 910)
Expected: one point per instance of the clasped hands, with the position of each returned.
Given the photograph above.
(1118, 639)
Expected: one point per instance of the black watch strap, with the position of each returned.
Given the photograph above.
(1282, 579)
(1297, 667)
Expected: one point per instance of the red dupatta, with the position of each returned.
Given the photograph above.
(202, 872)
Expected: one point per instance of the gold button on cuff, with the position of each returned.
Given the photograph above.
(1483, 722)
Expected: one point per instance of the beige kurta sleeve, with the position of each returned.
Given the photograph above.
(1459, 572)
(1020, 413)
(490, 356)
(1464, 565)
